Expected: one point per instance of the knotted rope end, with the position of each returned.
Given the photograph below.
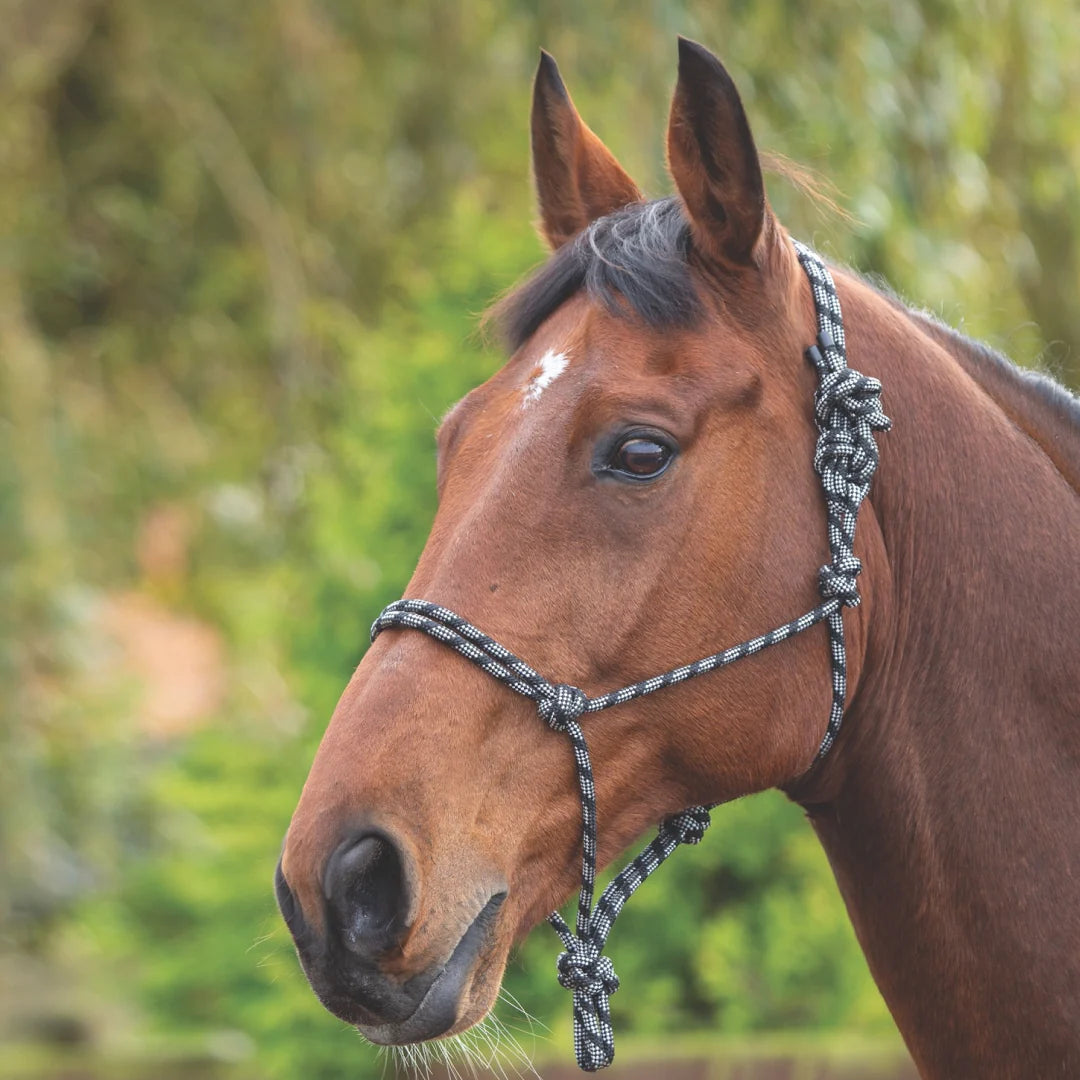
(585, 970)
(583, 967)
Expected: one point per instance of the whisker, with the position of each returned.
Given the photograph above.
(515, 1004)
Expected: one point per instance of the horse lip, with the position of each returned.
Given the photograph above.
(437, 1010)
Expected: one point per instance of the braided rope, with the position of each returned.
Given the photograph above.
(847, 412)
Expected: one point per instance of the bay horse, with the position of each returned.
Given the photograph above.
(634, 489)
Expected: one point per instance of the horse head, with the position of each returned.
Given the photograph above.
(630, 491)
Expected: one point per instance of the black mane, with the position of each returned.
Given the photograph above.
(632, 261)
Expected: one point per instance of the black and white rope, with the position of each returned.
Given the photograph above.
(847, 411)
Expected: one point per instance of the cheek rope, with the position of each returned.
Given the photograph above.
(847, 412)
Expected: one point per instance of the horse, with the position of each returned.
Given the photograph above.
(633, 489)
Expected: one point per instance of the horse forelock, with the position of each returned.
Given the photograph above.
(634, 261)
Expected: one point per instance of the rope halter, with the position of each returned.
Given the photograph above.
(847, 411)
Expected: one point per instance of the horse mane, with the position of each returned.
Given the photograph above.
(1036, 403)
(1058, 398)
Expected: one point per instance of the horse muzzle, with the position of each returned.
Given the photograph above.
(356, 965)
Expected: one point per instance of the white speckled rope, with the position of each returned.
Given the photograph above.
(847, 411)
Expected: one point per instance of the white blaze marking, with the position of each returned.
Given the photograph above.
(552, 365)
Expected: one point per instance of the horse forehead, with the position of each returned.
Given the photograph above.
(599, 347)
(605, 356)
(584, 353)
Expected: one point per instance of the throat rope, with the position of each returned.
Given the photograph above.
(847, 411)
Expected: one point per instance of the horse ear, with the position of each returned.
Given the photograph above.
(713, 160)
(577, 178)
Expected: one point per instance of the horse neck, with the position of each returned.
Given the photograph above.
(949, 807)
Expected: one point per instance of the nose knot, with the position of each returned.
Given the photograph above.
(562, 706)
(688, 826)
(583, 967)
(837, 580)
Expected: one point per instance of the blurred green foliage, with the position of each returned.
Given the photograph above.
(242, 248)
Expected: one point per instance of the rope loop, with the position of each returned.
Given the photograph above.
(591, 976)
(561, 705)
(688, 826)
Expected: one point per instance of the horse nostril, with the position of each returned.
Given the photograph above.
(365, 892)
(290, 909)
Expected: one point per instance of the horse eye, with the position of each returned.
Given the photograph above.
(641, 458)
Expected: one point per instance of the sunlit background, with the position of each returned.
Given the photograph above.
(243, 246)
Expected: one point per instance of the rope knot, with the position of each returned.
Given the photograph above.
(561, 706)
(584, 968)
(834, 451)
(848, 391)
(688, 827)
(851, 394)
(837, 580)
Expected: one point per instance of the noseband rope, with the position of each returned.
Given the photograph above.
(847, 411)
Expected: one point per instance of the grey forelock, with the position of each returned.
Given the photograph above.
(634, 262)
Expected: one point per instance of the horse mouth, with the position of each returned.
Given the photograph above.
(438, 1010)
